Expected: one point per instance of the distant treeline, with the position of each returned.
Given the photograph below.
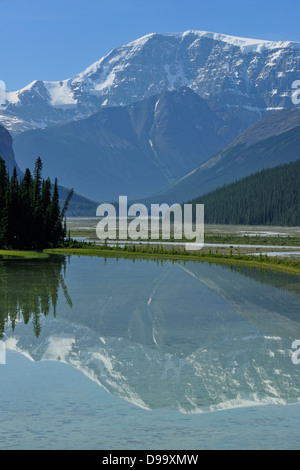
(30, 214)
(268, 197)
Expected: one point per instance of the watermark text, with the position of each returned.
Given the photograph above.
(2, 353)
(159, 223)
(296, 354)
(296, 92)
(2, 92)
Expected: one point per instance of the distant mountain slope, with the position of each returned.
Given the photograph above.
(273, 141)
(250, 76)
(268, 197)
(79, 206)
(133, 150)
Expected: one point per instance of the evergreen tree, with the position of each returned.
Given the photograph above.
(37, 216)
(26, 197)
(13, 210)
(3, 205)
(30, 215)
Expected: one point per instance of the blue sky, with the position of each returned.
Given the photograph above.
(55, 39)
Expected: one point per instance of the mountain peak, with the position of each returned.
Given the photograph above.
(246, 44)
(237, 72)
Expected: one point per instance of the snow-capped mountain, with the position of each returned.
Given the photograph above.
(254, 76)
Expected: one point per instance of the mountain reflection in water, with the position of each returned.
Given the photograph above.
(190, 336)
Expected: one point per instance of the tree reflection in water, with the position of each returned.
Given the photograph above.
(29, 289)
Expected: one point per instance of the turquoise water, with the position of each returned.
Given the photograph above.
(116, 354)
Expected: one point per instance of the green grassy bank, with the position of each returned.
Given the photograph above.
(20, 254)
(156, 252)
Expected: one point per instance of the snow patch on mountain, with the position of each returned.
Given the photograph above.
(60, 94)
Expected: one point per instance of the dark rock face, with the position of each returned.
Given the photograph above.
(6, 150)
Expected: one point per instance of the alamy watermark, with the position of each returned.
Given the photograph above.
(160, 222)
(2, 92)
(296, 92)
(2, 353)
(296, 354)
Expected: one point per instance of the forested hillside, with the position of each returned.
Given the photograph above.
(268, 197)
(272, 141)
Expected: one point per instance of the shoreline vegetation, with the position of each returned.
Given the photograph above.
(157, 252)
(231, 256)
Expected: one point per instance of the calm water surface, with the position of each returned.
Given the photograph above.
(123, 354)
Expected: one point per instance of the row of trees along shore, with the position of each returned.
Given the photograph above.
(30, 213)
